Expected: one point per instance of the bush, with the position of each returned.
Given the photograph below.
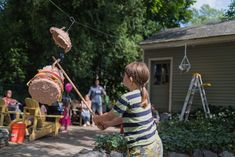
(113, 142)
(216, 134)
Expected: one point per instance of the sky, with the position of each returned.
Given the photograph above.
(217, 4)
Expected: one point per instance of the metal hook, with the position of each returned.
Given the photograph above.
(72, 20)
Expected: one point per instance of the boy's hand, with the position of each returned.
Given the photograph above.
(95, 119)
(100, 126)
(106, 124)
(97, 122)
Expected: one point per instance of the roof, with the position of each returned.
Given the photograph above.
(189, 33)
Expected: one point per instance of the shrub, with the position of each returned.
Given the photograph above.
(113, 142)
(216, 134)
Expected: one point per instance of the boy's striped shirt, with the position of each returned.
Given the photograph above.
(138, 123)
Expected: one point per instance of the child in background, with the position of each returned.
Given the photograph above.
(85, 111)
(43, 109)
(66, 121)
(43, 112)
(139, 127)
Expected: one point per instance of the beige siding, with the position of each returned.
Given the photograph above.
(216, 64)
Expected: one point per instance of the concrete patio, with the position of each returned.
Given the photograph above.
(63, 145)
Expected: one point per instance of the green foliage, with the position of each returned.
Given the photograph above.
(169, 13)
(216, 134)
(205, 15)
(230, 13)
(2, 4)
(114, 142)
(105, 37)
(12, 64)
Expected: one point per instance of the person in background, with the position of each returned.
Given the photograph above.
(66, 120)
(43, 109)
(85, 113)
(8, 98)
(12, 104)
(95, 93)
(76, 111)
(43, 112)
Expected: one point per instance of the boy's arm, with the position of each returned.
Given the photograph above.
(107, 120)
(115, 121)
(108, 116)
(118, 110)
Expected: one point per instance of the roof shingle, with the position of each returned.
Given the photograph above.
(196, 32)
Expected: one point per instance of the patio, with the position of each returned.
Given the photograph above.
(65, 144)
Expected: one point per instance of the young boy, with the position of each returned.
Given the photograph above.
(135, 111)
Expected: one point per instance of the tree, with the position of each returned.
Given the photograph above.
(2, 4)
(105, 36)
(169, 13)
(206, 14)
(230, 13)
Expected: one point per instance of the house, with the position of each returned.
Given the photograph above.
(211, 52)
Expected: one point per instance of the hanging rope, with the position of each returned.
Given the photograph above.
(83, 25)
(185, 65)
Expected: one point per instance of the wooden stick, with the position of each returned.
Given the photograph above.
(75, 88)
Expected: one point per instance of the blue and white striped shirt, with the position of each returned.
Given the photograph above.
(139, 126)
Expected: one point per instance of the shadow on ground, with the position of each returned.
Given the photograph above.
(65, 144)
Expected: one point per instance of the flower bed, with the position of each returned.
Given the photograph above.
(216, 134)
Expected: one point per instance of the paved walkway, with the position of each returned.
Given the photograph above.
(65, 144)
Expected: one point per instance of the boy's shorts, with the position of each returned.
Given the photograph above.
(97, 107)
(154, 149)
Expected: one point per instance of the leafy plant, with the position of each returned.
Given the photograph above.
(113, 142)
(105, 37)
(216, 134)
(230, 13)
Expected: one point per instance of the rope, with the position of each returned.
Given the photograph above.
(60, 9)
(83, 25)
(185, 64)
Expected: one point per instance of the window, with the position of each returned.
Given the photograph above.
(161, 74)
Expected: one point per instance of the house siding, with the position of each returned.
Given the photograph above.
(216, 64)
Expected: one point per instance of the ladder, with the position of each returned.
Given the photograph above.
(195, 85)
